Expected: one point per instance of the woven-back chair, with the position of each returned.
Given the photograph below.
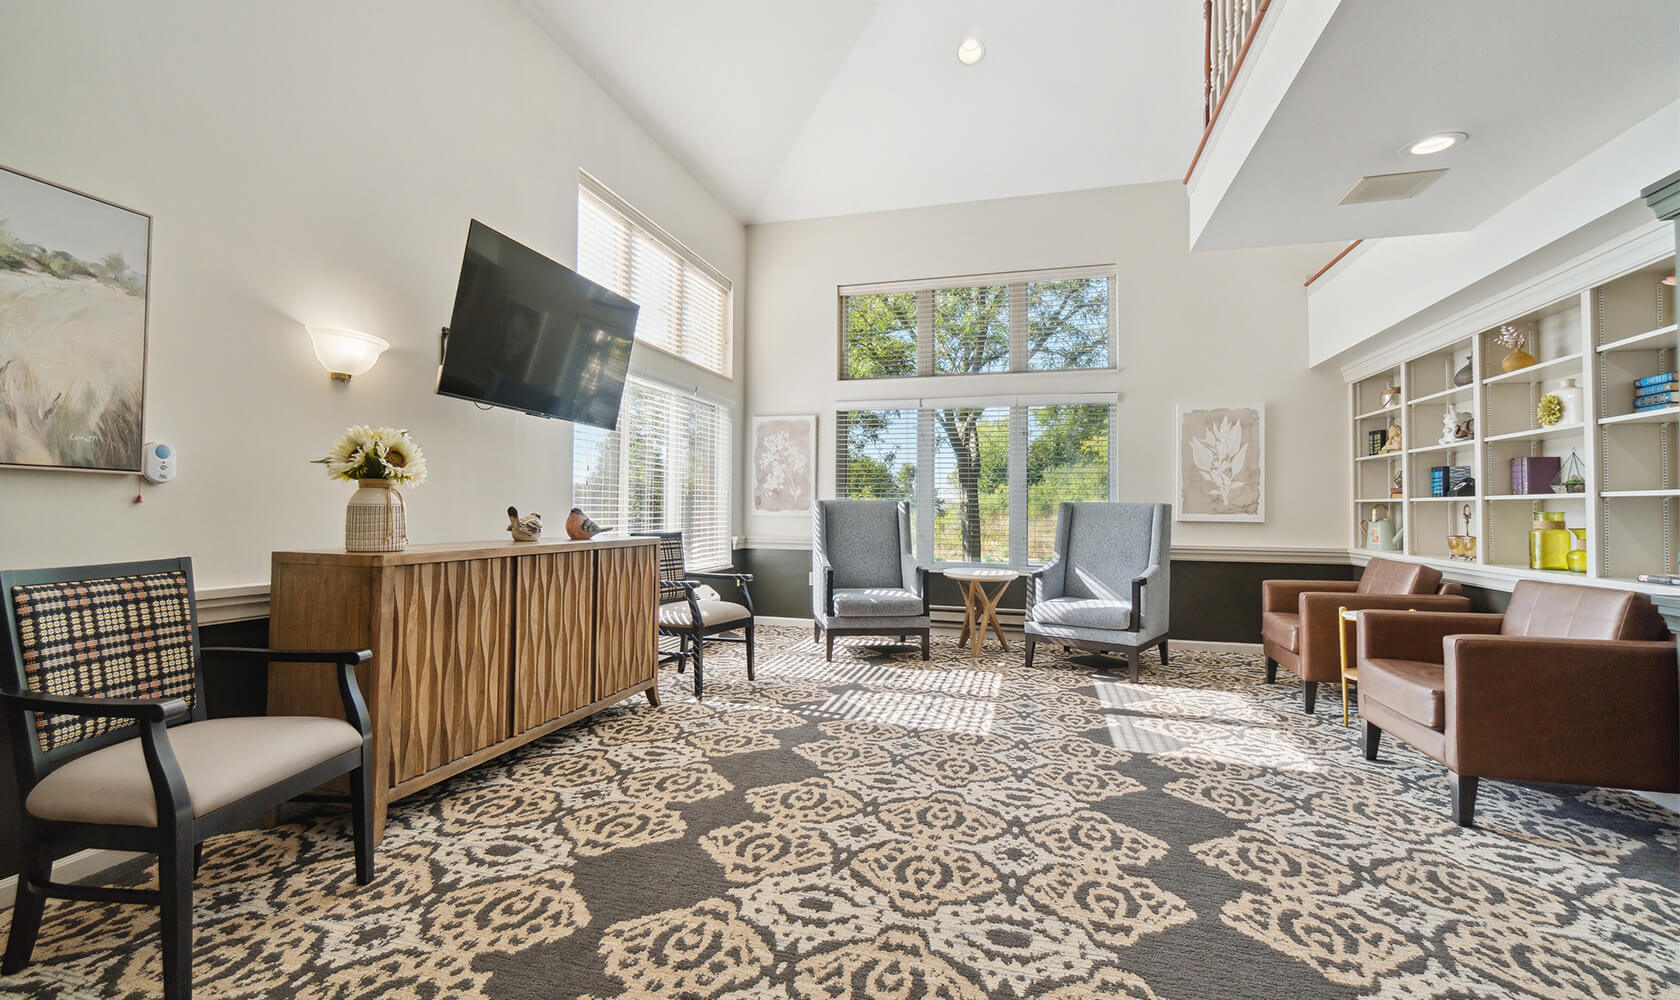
(691, 620)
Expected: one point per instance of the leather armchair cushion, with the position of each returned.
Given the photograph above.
(864, 602)
(1561, 611)
(1387, 576)
(678, 614)
(1081, 612)
(1282, 628)
(1410, 688)
(223, 761)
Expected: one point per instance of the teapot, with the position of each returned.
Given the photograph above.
(1380, 532)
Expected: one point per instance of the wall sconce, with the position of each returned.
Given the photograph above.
(345, 353)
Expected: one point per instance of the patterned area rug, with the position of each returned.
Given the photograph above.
(887, 828)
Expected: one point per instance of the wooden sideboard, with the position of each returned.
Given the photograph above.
(478, 648)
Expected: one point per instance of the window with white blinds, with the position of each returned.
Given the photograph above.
(992, 470)
(665, 468)
(684, 301)
(1051, 320)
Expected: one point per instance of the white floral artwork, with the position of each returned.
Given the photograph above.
(784, 464)
(1221, 463)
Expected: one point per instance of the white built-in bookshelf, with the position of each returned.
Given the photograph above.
(1605, 338)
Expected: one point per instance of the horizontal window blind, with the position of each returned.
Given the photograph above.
(971, 484)
(684, 301)
(1051, 320)
(665, 468)
(1067, 459)
(876, 454)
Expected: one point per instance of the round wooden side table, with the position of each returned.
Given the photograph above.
(980, 608)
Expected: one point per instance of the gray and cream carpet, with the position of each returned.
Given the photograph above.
(886, 828)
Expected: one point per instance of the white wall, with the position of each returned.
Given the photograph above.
(1194, 328)
(314, 162)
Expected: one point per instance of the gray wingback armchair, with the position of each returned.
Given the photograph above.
(864, 577)
(1106, 586)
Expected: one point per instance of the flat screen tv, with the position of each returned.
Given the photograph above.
(531, 334)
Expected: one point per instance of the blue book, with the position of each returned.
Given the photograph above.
(1656, 401)
(1653, 381)
(1643, 391)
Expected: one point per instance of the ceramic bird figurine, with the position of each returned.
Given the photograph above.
(525, 529)
(580, 527)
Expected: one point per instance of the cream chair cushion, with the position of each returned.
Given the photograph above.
(676, 614)
(223, 760)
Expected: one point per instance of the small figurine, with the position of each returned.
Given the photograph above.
(1449, 425)
(580, 527)
(1466, 428)
(1392, 445)
(525, 529)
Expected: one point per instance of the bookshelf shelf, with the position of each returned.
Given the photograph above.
(1650, 340)
(1444, 395)
(1664, 415)
(1432, 448)
(1378, 413)
(1538, 434)
(1540, 371)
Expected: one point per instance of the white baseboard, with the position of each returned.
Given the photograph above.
(68, 869)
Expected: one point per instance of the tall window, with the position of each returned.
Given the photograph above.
(996, 469)
(684, 300)
(1058, 320)
(665, 468)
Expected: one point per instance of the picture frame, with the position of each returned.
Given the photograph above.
(782, 452)
(75, 277)
(1221, 463)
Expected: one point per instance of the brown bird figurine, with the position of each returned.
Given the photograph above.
(525, 529)
(580, 527)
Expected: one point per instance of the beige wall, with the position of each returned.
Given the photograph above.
(1227, 327)
(314, 162)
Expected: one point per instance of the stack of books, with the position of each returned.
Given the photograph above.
(1653, 392)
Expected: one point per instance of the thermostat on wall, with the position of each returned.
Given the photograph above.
(158, 463)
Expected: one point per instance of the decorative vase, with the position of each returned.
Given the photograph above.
(374, 520)
(1463, 376)
(1548, 542)
(1569, 398)
(1518, 358)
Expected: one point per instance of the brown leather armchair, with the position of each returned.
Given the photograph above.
(1299, 621)
(1573, 685)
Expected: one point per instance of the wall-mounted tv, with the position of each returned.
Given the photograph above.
(531, 334)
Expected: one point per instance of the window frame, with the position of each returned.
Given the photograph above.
(588, 183)
(924, 289)
(926, 487)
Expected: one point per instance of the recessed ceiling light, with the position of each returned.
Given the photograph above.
(970, 51)
(1437, 143)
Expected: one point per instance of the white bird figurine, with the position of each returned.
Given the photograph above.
(525, 529)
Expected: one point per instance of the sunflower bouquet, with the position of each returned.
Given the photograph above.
(387, 453)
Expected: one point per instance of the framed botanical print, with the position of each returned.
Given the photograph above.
(784, 464)
(74, 271)
(1221, 463)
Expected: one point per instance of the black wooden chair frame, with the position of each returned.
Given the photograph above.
(179, 836)
(692, 637)
(925, 633)
(1132, 654)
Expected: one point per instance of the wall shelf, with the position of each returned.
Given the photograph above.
(1540, 371)
(1455, 446)
(1650, 340)
(1666, 414)
(1632, 494)
(1373, 458)
(1377, 413)
(1538, 497)
(1444, 394)
(1537, 434)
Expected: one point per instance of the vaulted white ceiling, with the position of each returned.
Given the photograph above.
(802, 108)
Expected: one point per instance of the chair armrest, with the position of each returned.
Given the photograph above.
(1418, 635)
(138, 709)
(1320, 642)
(740, 580)
(922, 581)
(828, 590)
(910, 575)
(1140, 594)
(1282, 595)
(1575, 711)
(353, 657)
(347, 660)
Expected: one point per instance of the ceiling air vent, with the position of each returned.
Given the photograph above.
(1390, 187)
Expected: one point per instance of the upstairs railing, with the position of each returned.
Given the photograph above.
(1229, 27)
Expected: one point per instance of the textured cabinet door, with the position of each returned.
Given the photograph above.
(626, 602)
(449, 661)
(553, 664)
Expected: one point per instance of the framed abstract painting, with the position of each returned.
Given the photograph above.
(73, 305)
(1221, 463)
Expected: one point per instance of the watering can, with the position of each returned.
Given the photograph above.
(1380, 532)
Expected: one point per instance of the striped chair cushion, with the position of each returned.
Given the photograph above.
(119, 637)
